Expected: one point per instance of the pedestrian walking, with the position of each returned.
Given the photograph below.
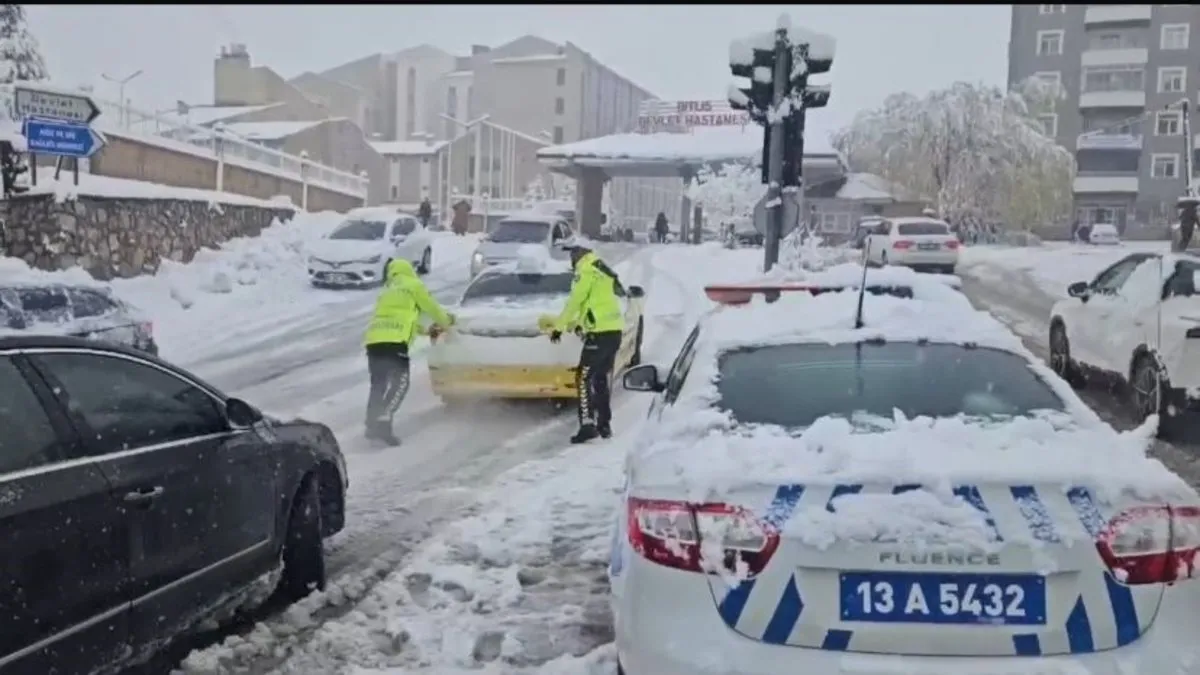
(594, 307)
(394, 324)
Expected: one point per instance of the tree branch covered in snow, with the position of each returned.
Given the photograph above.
(20, 57)
(728, 194)
(976, 152)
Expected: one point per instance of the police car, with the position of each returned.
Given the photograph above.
(901, 488)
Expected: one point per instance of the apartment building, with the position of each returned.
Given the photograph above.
(1122, 69)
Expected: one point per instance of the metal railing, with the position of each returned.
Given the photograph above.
(222, 147)
(173, 134)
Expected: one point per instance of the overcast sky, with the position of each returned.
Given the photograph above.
(676, 52)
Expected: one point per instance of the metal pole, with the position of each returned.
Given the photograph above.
(1189, 148)
(775, 153)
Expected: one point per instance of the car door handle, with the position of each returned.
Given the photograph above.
(144, 496)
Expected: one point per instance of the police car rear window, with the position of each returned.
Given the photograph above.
(493, 286)
(794, 385)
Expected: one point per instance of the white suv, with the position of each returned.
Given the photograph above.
(1136, 326)
(919, 243)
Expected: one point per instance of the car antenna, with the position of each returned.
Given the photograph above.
(862, 288)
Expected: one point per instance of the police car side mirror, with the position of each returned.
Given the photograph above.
(642, 378)
(1079, 289)
(636, 292)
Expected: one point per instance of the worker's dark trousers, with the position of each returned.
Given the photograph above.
(387, 364)
(596, 362)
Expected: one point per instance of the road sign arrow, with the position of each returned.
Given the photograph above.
(46, 103)
(64, 139)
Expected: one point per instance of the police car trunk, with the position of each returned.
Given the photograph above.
(497, 348)
(942, 538)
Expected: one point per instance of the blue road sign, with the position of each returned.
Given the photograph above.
(65, 139)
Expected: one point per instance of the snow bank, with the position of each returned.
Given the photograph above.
(65, 189)
(1052, 266)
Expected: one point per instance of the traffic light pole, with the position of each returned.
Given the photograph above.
(775, 151)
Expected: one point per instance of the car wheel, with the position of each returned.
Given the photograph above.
(1147, 395)
(303, 552)
(426, 263)
(1060, 356)
(636, 359)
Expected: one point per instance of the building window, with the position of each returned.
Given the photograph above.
(452, 111)
(1164, 165)
(471, 164)
(1112, 41)
(1049, 77)
(1168, 123)
(1174, 36)
(1052, 9)
(562, 76)
(558, 135)
(1049, 124)
(1113, 78)
(470, 101)
(1172, 80)
(835, 222)
(559, 105)
(395, 193)
(410, 104)
(1049, 42)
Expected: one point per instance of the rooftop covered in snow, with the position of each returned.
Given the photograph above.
(670, 154)
(408, 148)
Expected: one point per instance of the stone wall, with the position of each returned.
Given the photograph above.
(126, 156)
(113, 237)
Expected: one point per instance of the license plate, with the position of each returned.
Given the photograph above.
(929, 247)
(337, 277)
(899, 597)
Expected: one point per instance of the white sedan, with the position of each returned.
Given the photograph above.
(1104, 235)
(918, 495)
(920, 243)
(499, 347)
(357, 252)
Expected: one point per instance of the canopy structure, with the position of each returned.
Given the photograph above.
(593, 161)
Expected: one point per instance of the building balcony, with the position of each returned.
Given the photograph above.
(1097, 183)
(1113, 99)
(1101, 14)
(1098, 141)
(1131, 56)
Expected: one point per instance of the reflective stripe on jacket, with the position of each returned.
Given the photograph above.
(399, 307)
(594, 303)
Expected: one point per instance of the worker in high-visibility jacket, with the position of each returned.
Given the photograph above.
(594, 307)
(393, 326)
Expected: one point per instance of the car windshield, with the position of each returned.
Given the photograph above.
(566, 214)
(519, 232)
(794, 385)
(44, 305)
(403, 226)
(360, 230)
(516, 286)
(922, 228)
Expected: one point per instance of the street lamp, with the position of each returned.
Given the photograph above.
(121, 82)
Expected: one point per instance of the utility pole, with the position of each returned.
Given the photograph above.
(1189, 200)
(121, 82)
(778, 65)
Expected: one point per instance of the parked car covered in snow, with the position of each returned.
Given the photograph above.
(1135, 327)
(357, 252)
(1104, 234)
(93, 312)
(914, 494)
(139, 502)
(497, 348)
(503, 240)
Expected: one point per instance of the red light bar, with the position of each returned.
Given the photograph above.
(742, 294)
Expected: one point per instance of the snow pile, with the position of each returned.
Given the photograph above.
(799, 253)
(728, 194)
(64, 189)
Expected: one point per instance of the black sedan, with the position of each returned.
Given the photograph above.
(137, 502)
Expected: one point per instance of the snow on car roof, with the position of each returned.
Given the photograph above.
(700, 450)
(907, 220)
(533, 217)
(386, 213)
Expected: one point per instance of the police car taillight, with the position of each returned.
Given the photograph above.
(701, 537)
(1152, 544)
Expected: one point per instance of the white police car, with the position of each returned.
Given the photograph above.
(915, 495)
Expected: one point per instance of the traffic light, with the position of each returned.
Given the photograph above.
(745, 60)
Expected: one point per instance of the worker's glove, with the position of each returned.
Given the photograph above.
(546, 323)
(555, 336)
(453, 319)
(435, 331)
(578, 332)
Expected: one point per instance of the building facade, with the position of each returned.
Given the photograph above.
(1123, 70)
